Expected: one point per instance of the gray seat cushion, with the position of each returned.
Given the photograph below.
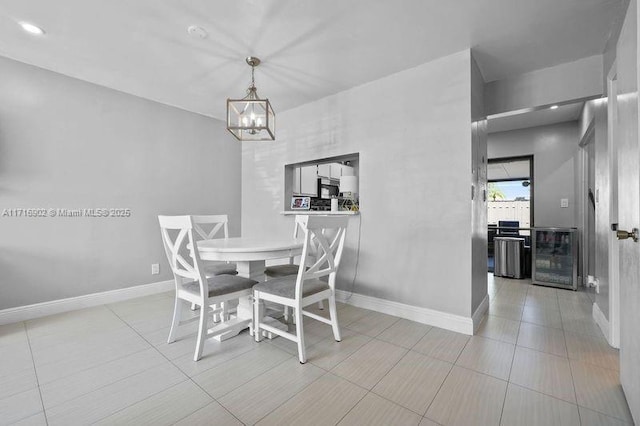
(286, 287)
(277, 271)
(222, 284)
(219, 268)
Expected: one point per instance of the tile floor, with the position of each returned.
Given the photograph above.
(538, 359)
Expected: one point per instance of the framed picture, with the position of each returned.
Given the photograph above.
(300, 203)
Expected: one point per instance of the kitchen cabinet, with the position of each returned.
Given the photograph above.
(334, 171)
(296, 181)
(555, 260)
(324, 170)
(309, 181)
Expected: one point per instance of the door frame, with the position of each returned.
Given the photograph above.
(614, 251)
(583, 201)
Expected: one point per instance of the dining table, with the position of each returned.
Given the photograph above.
(250, 255)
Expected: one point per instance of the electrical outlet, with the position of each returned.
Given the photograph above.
(564, 203)
(155, 268)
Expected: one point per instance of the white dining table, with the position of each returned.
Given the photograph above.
(250, 255)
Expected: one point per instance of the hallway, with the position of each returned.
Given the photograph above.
(559, 350)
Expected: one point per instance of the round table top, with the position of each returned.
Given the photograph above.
(248, 245)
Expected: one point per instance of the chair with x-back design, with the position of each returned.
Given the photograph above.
(194, 286)
(322, 251)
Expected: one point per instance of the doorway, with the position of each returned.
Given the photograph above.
(509, 199)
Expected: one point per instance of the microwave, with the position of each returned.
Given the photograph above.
(327, 190)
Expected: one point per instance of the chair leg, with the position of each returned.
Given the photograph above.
(202, 332)
(333, 314)
(302, 356)
(177, 313)
(287, 315)
(194, 307)
(257, 334)
(320, 305)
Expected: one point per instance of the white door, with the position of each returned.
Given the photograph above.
(629, 209)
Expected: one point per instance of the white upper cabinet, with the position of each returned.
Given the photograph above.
(334, 170)
(309, 181)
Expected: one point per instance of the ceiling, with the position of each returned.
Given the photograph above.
(508, 170)
(310, 49)
(540, 117)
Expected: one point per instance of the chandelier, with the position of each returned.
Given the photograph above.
(251, 118)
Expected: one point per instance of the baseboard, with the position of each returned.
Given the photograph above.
(23, 313)
(457, 323)
(602, 322)
(479, 314)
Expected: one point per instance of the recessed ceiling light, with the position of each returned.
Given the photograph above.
(553, 107)
(31, 28)
(196, 31)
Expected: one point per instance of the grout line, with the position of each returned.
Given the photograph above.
(35, 372)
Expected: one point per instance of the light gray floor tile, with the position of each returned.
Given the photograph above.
(35, 420)
(414, 381)
(374, 410)
(487, 356)
(112, 398)
(372, 324)
(96, 319)
(224, 378)
(539, 301)
(506, 310)
(215, 353)
(65, 359)
(581, 326)
(506, 296)
(528, 408)
(12, 334)
(163, 408)
(14, 358)
(82, 382)
(498, 328)
(370, 363)
(592, 349)
(328, 353)
(545, 373)
(543, 339)
(468, 398)
(212, 414)
(404, 333)
(323, 402)
(442, 344)
(349, 314)
(599, 389)
(593, 418)
(257, 398)
(17, 381)
(20, 406)
(574, 296)
(547, 317)
(542, 291)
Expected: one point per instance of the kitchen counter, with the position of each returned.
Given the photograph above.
(318, 213)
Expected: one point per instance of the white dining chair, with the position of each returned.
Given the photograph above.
(192, 284)
(207, 227)
(326, 234)
(283, 270)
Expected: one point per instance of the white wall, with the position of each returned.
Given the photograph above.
(412, 130)
(546, 86)
(555, 156)
(479, 182)
(65, 143)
